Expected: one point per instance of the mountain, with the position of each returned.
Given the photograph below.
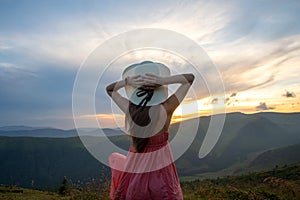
(243, 138)
(280, 157)
(43, 162)
(18, 128)
(244, 143)
(23, 131)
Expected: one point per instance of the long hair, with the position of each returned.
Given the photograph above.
(141, 117)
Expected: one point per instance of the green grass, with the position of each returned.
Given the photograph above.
(280, 183)
(16, 193)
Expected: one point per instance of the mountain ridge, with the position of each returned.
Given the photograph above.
(244, 138)
(9, 128)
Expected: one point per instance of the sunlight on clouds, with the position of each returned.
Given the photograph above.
(257, 75)
(105, 120)
(256, 48)
(247, 64)
(60, 46)
(174, 62)
(246, 102)
(197, 108)
(200, 21)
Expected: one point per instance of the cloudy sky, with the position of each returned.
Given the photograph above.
(255, 45)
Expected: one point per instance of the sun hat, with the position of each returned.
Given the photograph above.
(140, 96)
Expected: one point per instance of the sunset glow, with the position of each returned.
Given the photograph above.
(243, 102)
(255, 47)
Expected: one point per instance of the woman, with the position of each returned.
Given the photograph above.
(148, 171)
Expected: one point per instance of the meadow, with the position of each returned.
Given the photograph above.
(279, 183)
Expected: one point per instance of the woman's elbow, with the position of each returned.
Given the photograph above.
(191, 78)
(109, 90)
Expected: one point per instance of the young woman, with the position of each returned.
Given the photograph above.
(148, 171)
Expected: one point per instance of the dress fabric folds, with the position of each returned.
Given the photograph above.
(148, 175)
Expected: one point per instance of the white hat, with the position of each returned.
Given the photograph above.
(160, 94)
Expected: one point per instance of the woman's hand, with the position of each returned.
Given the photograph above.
(135, 81)
(152, 81)
(148, 81)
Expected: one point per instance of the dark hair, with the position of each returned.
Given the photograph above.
(141, 117)
(139, 144)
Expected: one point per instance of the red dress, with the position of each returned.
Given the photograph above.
(148, 175)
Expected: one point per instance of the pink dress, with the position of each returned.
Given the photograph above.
(148, 175)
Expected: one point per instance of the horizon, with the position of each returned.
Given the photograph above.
(254, 45)
(173, 122)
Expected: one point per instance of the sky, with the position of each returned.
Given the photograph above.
(255, 45)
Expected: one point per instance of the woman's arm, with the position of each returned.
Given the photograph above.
(112, 90)
(175, 99)
(115, 87)
(152, 80)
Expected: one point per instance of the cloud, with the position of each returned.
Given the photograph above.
(12, 72)
(263, 106)
(233, 94)
(289, 94)
(25, 97)
(254, 45)
(4, 47)
(262, 20)
(258, 64)
(214, 101)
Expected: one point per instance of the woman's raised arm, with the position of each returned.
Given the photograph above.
(112, 90)
(176, 98)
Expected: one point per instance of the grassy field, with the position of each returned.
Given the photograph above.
(280, 183)
(16, 193)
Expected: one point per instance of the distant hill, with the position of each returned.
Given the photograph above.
(21, 131)
(245, 140)
(19, 128)
(280, 157)
(242, 139)
(43, 162)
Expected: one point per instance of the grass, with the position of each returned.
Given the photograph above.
(280, 183)
(16, 193)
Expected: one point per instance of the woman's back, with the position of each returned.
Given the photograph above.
(146, 122)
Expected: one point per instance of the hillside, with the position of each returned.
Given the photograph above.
(281, 183)
(41, 162)
(17, 131)
(17, 193)
(243, 138)
(282, 156)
